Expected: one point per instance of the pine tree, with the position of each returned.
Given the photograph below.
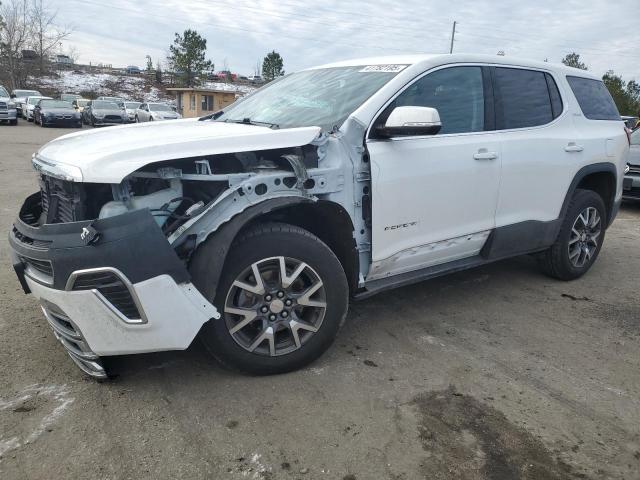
(187, 56)
(272, 66)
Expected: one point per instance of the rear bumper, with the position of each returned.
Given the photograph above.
(125, 293)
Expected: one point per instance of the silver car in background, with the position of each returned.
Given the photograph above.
(149, 112)
(8, 111)
(131, 108)
(631, 186)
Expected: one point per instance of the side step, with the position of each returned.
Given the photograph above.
(376, 286)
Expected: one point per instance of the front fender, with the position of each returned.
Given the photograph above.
(208, 260)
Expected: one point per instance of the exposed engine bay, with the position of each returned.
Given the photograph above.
(173, 191)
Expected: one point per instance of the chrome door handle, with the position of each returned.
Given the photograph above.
(573, 147)
(484, 154)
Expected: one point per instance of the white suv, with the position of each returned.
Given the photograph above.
(259, 223)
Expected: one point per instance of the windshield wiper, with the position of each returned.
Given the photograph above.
(248, 121)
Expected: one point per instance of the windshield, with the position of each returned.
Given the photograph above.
(102, 105)
(3, 92)
(33, 100)
(635, 137)
(25, 93)
(55, 104)
(159, 107)
(324, 97)
(132, 105)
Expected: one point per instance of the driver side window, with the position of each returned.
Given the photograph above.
(457, 93)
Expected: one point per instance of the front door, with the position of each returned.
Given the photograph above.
(435, 197)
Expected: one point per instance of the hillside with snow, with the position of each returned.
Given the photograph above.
(130, 87)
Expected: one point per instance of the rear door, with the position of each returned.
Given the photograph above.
(540, 147)
(434, 197)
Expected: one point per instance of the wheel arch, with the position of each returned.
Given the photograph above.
(208, 260)
(600, 178)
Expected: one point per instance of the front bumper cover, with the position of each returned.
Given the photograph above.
(132, 245)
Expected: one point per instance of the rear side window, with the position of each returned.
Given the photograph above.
(594, 99)
(523, 99)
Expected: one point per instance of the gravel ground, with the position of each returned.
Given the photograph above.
(493, 373)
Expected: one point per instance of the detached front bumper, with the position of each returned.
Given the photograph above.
(125, 293)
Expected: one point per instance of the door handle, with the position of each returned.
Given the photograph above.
(573, 147)
(484, 154)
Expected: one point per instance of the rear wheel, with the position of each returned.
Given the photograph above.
(283, 296)
(13, 122)
(580, 238)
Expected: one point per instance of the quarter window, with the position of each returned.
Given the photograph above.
(456, 92)
(594, 99)
(523, 99)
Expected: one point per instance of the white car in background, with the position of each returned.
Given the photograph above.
(149, 112)
(29, 104)
(19, 97)
(131, 108)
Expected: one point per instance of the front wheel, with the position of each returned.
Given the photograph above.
(580, 238)
(283, 296)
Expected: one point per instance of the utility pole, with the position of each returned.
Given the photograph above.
(453, 36)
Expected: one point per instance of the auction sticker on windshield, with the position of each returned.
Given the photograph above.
(383, 68)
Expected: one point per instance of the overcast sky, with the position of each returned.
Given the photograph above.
(240, 32)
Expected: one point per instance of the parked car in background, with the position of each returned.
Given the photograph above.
(631, 189)
(69, 97)
(131, 108)
(118, 100)
(256, 79)
(8, 111)
(225, 75)
(133, 70)
(28, 105)
(630, 122)
(80, 103)
(19, 96)
(56, 113)
(253, 228)
(100, 113)
(149, 112)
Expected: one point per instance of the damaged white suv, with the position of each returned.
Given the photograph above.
(253, 227)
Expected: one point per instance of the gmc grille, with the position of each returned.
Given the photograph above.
(61, 200)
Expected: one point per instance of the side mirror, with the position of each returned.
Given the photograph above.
(411, 121)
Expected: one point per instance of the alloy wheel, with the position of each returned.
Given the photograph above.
(585, 235)
(275, 306)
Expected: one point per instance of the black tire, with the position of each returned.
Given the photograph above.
(257, 244)
(556, 260)
(136, 120)
(13, 122)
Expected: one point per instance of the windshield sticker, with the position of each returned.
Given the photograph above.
(383, 68)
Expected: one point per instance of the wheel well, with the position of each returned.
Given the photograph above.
(604, 184)
(329, 222)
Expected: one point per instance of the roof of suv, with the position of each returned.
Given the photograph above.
(428, 60)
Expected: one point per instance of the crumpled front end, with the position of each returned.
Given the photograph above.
(107, 287)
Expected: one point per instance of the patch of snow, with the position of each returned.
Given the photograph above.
(230, 87)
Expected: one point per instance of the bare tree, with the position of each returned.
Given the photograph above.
(47, 35)
(15, 35)
(73, 54)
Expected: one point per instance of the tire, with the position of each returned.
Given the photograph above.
(13, 122)
(151, 119)
(137, 121)
(560, 260)
(295, 344)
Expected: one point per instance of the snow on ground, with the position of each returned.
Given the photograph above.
(130, 87)
(230, 87)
